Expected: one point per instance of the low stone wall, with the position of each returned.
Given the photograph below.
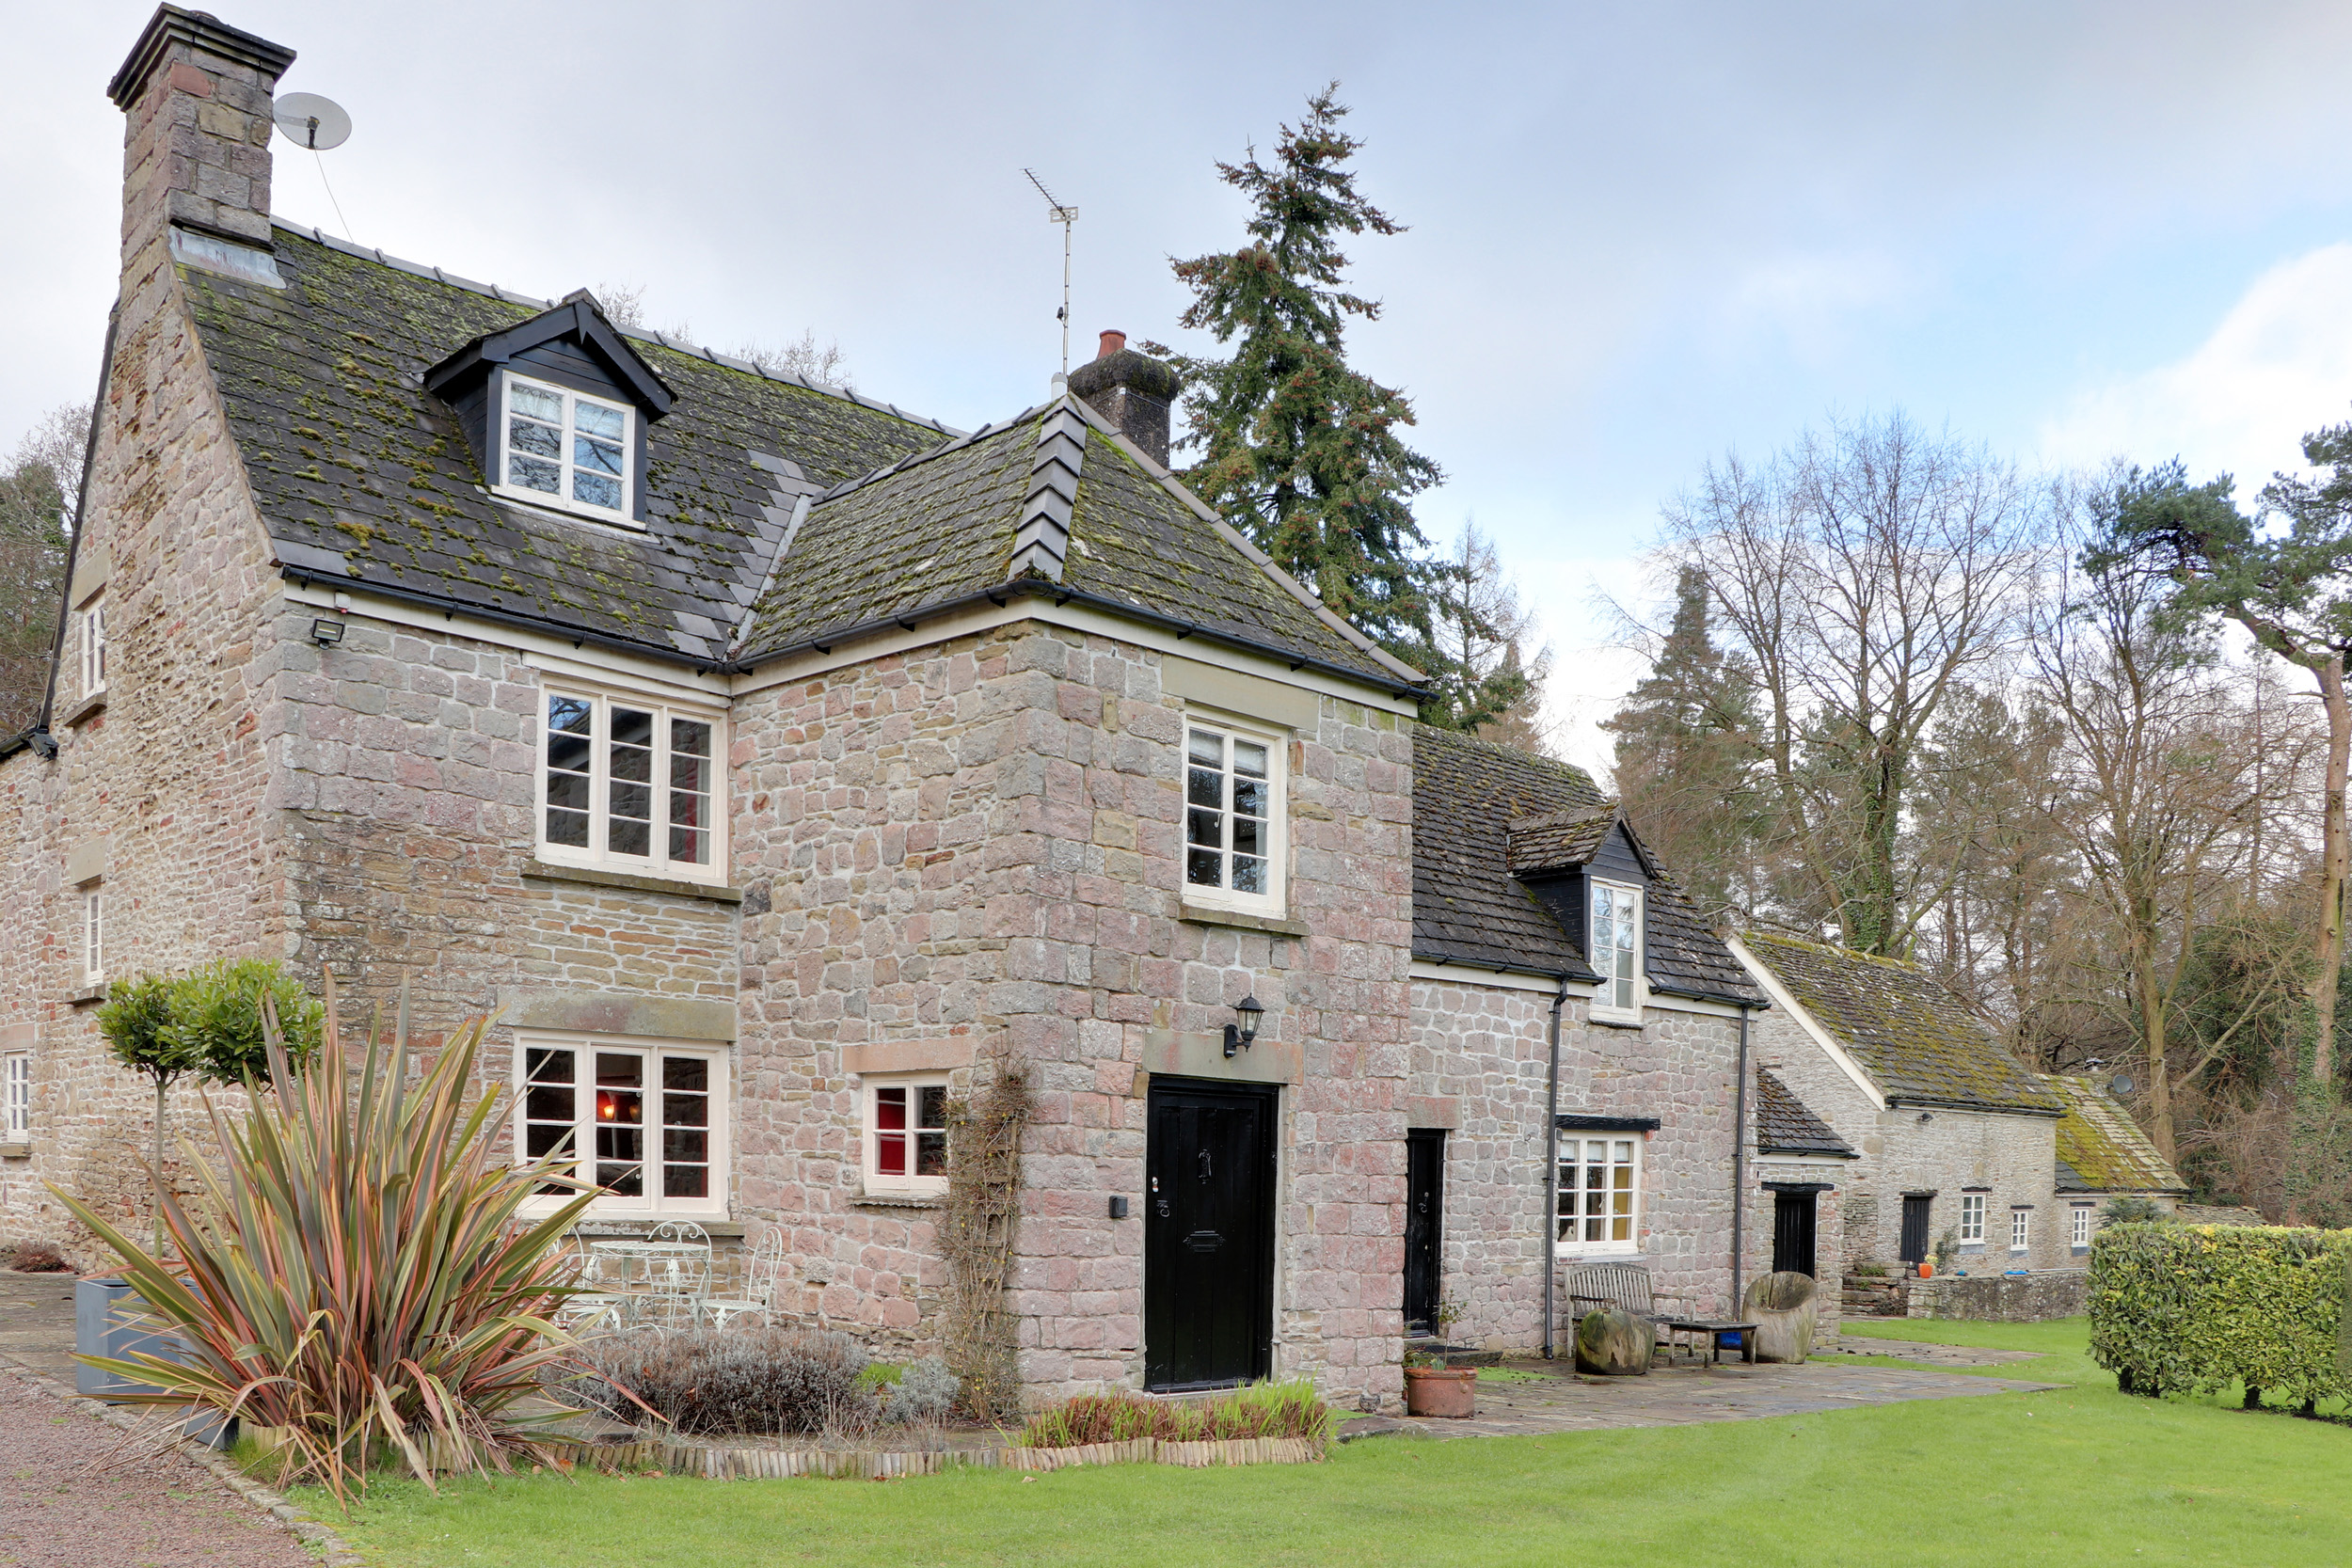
(2022, 1298)
(1880, 1295)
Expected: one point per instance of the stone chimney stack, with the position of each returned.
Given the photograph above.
(196, 96)
(1132, 390)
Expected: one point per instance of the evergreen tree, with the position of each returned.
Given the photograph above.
(1298, 450)
(1686, 757)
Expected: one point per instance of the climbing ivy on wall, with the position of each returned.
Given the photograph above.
(984, 1132)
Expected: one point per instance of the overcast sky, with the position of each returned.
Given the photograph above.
(1640, 235)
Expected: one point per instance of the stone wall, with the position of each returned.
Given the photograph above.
(2026, 1298)
(1480, 1058)
(994, 876)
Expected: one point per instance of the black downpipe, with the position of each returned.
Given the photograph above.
(1551, 1164)
(1739, 1161)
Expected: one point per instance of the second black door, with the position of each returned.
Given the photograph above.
(1424, 1226)
(1914, 1239)
(1793, 1233)
(1208, 1235)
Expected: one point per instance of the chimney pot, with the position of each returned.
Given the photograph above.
(1132, 390)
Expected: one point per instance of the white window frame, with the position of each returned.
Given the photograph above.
(869, 1132)
(91, 621)
(93, 936)
(1605, 962)
(2078, 1226)
(651, 1204)
(1576, 1152)
(626, 517)
(1971, 1207)
(16, 1096)
(1277, 743)
(597, 853)
(2020, 1228)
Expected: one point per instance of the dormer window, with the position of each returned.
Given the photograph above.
(1616, 929)
(565, 447)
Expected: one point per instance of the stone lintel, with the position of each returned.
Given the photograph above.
(1244, 696)
(20, 1036)
(92, 569)
(1433, 1110)
(588, 876)
(599, 1012)
(86, 861)
(1196, 1053)
(908, 1055)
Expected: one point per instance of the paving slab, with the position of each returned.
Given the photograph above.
(1553, 1399)
(37, 1322)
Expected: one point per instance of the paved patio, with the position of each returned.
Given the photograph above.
(1550, 1398)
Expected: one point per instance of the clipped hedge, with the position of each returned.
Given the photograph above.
(2191, 1308)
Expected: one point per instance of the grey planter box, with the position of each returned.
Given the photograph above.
(102, 1310)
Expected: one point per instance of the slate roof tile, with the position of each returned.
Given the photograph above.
(2100, 1147)
(1469, 795)
(1918, 1041)
(1557, 840)
(1787, 1125)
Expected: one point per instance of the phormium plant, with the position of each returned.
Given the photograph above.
(355, 1269)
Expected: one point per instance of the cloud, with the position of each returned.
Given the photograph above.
(2279, 364)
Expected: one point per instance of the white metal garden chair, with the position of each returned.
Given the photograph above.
(596, 1308)
(763, 1276)
(677, 1272)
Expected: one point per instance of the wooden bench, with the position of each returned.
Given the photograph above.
(1626, 1288)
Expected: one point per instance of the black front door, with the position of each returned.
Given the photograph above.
(1424, 1226)
(1208, 1235)
(1793, 1233)
(1915, 1227)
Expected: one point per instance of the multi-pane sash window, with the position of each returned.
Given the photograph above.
(906, 1134)
(93, 937)
(641, 1122)
(2078, 1224)
(566, 447)
(1972, 1219)
(1618, 948)
(2020, 1226)
(93, 619)
(16, 1096)
(1229, 812)
(1599, 1193)
(631, 782)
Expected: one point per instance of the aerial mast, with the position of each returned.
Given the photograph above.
(1057, 212)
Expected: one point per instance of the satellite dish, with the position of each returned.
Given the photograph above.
(309, 121)
(2122, 1084)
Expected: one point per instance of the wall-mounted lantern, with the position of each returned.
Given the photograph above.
(1239, 1035)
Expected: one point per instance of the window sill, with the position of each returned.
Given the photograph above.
(21, 1149)
(612, 1227)
(1589, 1255)
(590, 876)
(1605, 1021)
(86, 994)
(900, 1200)
(1239, 919)
(89, 706)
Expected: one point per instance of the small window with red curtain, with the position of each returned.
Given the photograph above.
(906, 1134)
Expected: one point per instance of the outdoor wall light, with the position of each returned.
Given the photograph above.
(1239, 1035)
(1926, 1116)
(327, 633)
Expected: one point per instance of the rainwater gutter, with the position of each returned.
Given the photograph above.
(1551, 1164)
(1739, 1159)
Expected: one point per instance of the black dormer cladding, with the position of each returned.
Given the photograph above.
(1565, 894)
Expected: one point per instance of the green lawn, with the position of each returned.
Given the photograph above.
(2078, 1476)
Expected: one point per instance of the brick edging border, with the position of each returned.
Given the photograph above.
(334, 1551)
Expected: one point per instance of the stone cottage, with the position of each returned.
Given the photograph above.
(1953, 1142)
(776, 765)
(2102, 1155)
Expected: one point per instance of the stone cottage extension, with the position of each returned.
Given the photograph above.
(777, 765)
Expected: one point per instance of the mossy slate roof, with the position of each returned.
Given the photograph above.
(2100, 1147)
(1787, 1125)
(1918, 1042)
(1470, 910)
(361, 475)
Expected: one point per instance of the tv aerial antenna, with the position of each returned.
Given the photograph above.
(307, 119)
(1057, 212)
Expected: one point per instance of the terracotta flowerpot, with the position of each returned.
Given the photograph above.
(1927, 1271)
(1449, 1391)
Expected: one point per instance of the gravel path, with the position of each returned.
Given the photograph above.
(71, 1498)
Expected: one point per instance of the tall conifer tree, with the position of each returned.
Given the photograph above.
(1299, 452)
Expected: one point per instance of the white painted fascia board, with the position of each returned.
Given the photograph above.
(540, 650)
(1805, 1020)
(1507, 979)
